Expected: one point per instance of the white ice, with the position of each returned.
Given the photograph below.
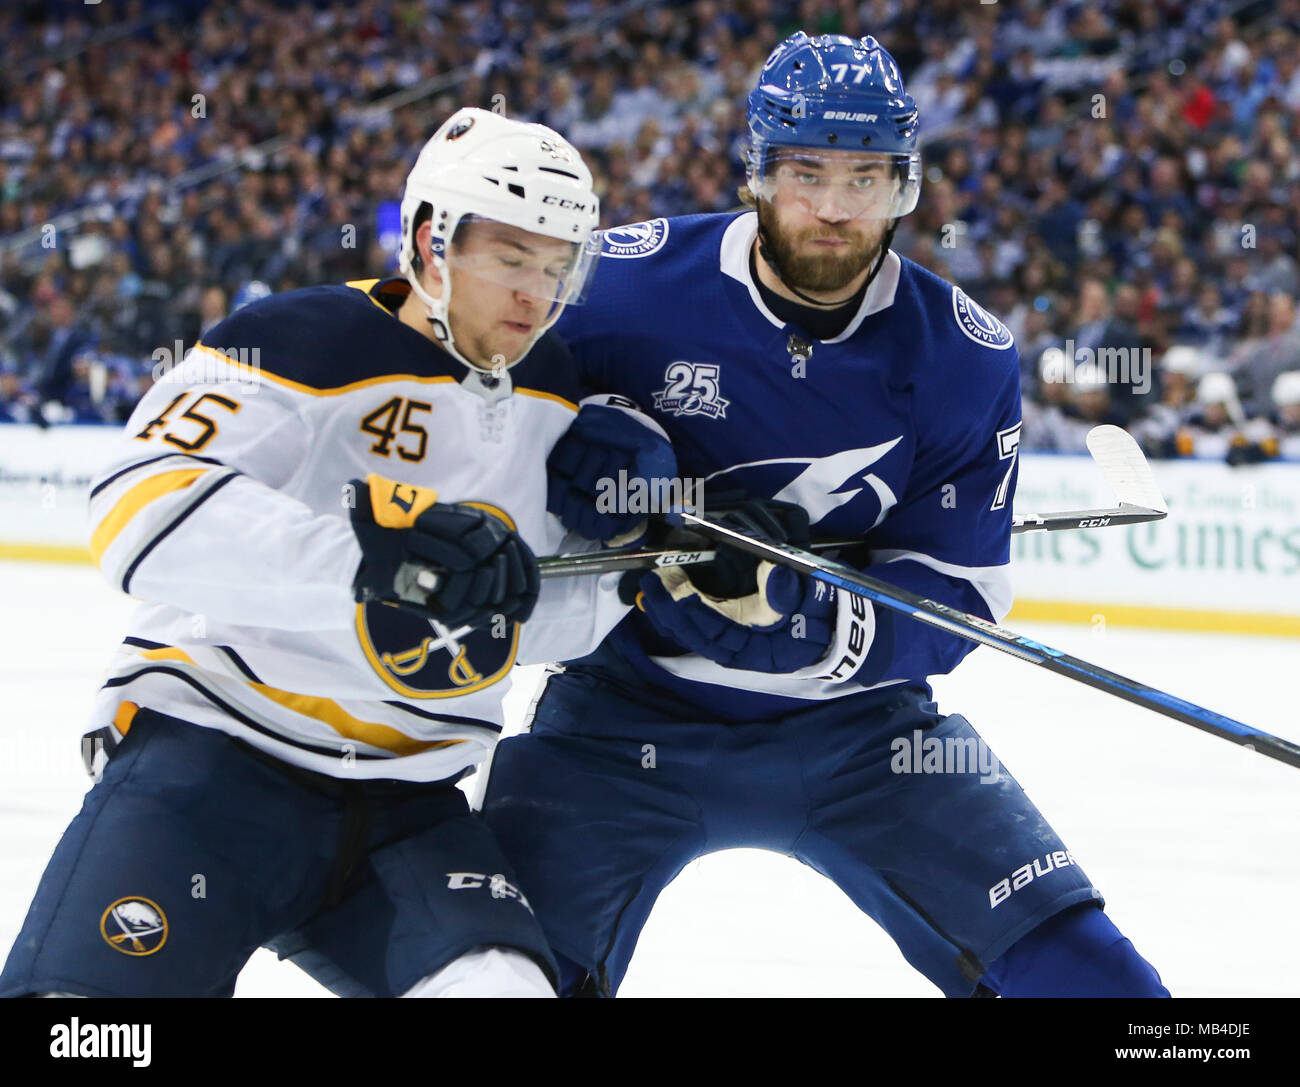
(1194, 842)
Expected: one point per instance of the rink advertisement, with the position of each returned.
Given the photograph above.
(1226, 558)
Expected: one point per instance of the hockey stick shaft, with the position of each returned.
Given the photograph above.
(975, 629)
(602, 562)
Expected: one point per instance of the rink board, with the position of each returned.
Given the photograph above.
(1227, 558)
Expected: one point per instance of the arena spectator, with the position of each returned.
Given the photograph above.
(196, 152)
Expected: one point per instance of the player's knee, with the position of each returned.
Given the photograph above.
(1078, 952)
(486, 971)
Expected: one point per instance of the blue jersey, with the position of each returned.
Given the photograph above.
(902, 431)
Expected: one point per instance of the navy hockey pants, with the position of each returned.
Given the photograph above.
(613, 792)
(194, 850)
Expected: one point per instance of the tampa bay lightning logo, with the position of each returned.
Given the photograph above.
(822, 485)
(635, 239)
(980, 325)
(692, 389)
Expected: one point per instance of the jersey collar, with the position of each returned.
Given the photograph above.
(739, 238)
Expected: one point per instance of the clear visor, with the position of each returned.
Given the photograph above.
(841, 184)
(546, 269)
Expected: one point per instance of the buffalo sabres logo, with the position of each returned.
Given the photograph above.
(134, 926)
(460, 128)
(422, 658)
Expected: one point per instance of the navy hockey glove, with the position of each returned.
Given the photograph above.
(786, 624)
(483, 568)
(733, 573)
(738, 610)
(591, 470)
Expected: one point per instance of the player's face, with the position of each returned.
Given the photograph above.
(825, 215)
(506, 285)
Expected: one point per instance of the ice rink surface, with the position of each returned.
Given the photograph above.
(1194, 842)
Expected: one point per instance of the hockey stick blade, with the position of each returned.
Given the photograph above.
(1121, 461)
(1130, 478)
(1123, 514)
(975, 629)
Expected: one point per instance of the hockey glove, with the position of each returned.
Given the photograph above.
(734, 573)
(786, 624)
(591, 470)
(740, 611)
(483, 568)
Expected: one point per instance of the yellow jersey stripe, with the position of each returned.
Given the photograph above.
(326, 711)
(337, 390)
(370, 382)
(548, 396)
(134, 501)
(34, 552)
(124, 717)
(365, 286)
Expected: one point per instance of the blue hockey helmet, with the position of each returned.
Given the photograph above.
(826, 97)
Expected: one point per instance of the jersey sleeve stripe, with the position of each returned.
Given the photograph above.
(131, 503)
(105, 483)
(239, 663)
(993, 583)
(175, 522)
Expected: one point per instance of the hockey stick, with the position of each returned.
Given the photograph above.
(1114, 450)
(975, 629)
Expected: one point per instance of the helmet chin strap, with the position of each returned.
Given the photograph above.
(765, 251)
(439, 317)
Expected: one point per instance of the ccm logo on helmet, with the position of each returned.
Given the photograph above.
(841, 115)
(564, 202)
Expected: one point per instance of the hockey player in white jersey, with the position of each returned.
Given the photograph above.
(280, 734)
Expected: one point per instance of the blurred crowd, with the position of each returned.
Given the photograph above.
(1119, 182)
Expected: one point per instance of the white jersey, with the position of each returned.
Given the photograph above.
(226, 510)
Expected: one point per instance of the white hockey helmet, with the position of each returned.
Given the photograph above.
(1185, 360)
(1216, 388)
(1286, 388)
(483, 165)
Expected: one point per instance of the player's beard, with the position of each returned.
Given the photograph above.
(821, 272)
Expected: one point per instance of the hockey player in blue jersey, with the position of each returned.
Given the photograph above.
(840, 390)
